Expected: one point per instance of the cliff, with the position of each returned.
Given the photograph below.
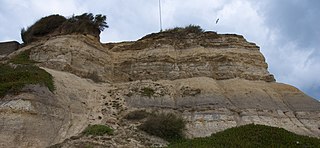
(156, 58)
(215, 81)
(8, 47)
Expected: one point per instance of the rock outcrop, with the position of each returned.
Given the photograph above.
(214, 81)
(8, 47)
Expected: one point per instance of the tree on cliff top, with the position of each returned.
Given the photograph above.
(86, 23)
(42, 27)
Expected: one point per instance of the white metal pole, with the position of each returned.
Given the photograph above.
(160, 15)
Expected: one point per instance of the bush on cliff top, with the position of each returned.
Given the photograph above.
(86, 23)
(42, 27)
(251, 136)
(189, 29)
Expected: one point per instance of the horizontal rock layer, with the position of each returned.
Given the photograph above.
(225, 57)
(214, 105)
(214, 81)
(208, 105)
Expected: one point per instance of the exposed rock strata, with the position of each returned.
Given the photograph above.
(214, 81)
(225, 57)
(214, 105)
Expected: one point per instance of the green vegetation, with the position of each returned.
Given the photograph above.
(137, 115)
(164, 125)
(86, 23)
(98, 130)
(146, 91)
(250, 136)
(42, 27)
(14, 77)
(22, 58)
(190, 29)
(178, 37)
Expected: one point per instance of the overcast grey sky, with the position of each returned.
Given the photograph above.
(288, 31)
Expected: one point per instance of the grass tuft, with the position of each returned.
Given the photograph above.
(98, 130)
(189, 29)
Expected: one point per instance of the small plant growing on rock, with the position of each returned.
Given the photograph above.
(97, 130)
(137, 115)
(164, 125)
(146, 91)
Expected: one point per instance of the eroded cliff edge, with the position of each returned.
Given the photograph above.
(214, 81)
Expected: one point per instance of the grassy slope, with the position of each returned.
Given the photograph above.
(13, 78)
(250, 136)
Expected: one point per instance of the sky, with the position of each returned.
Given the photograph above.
(287, 31)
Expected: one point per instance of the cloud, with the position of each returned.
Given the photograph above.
(17, 14)
(294, 55)
(287, 31)
(295, 20)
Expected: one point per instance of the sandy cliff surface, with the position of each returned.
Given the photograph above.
(214, 81)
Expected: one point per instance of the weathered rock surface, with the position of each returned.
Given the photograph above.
(214, 81)
(223, 57)
(8, 47)
(213, 105)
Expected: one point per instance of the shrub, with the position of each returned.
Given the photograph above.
(146, 91)
(164, 125)
(251, 136)
(137, 115)
(189, 29)
(194, 28)
(86, 23)
(42, 27)
(98, 130)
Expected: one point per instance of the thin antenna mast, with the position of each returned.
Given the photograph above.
(160, 15)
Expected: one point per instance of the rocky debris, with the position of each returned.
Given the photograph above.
(126, 134)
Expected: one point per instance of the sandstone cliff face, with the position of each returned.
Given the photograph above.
(222, 57)
(214, 81)
(170, 56)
